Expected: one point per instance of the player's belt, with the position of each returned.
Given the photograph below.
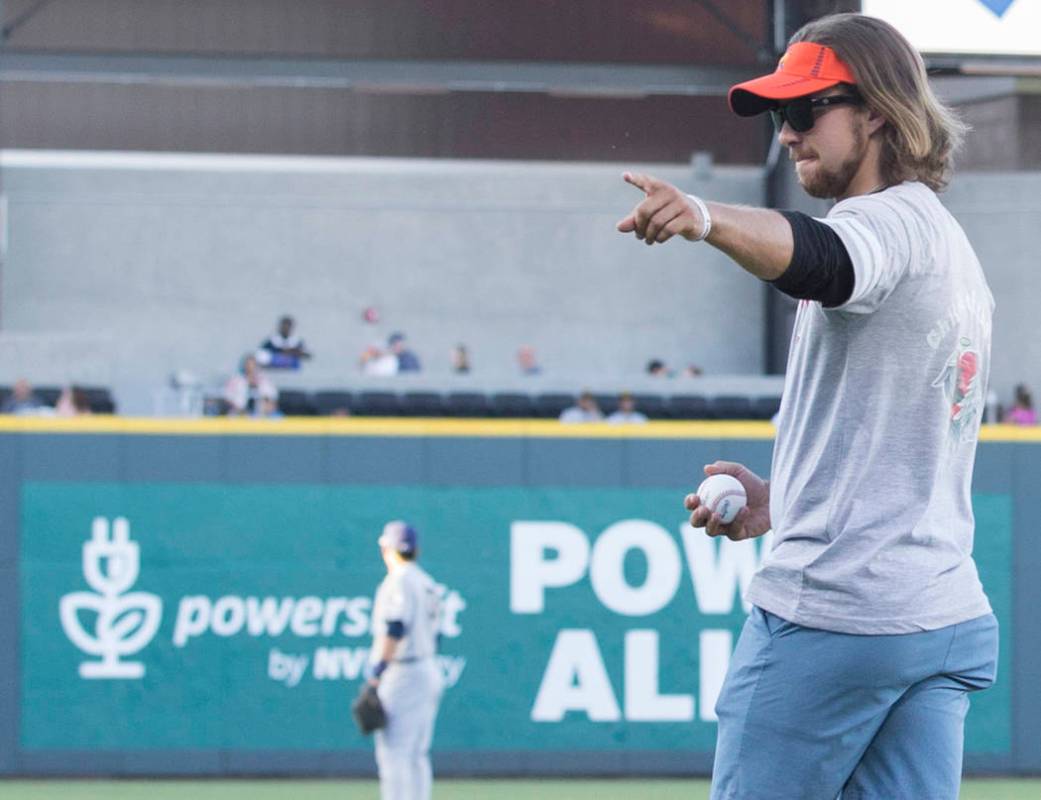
(410, 660)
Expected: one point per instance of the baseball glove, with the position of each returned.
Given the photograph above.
(368, 710)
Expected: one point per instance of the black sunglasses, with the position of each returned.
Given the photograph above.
(799, 112)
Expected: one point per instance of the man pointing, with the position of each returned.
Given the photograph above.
(869, 625)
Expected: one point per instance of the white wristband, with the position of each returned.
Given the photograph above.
(706, 218)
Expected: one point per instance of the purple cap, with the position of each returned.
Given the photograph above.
(399, 536)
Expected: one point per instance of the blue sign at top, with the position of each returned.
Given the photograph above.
(999, 7)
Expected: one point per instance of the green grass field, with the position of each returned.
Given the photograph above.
(648, 789)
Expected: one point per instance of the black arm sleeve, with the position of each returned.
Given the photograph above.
(820, 268)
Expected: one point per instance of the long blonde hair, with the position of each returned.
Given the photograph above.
(921, 134)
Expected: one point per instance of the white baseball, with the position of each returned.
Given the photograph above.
(723, 495)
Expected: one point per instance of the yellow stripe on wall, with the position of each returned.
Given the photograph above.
(401, 426)
(385, 426)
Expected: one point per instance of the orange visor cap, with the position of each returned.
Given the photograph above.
(804, 69)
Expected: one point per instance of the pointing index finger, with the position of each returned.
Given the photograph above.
(644, 183)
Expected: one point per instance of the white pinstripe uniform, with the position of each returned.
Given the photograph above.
(410, 688)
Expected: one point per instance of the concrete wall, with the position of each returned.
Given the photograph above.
(1001, 213)
(185, 262)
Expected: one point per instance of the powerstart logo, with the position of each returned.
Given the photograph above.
(112, 623)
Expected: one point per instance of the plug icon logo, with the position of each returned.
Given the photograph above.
(124, 623)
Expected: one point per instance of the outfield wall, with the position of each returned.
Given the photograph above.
(218, 620)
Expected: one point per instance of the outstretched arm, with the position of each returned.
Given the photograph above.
(758, 239)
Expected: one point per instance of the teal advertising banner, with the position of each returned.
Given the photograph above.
(235, 616)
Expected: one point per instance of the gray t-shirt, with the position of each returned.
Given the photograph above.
(870, 485)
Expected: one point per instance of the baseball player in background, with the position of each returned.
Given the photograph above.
(405, 622)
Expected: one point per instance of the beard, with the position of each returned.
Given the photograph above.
(828, 184)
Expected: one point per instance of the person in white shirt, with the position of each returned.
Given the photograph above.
(585, 409)
(626, 413)
(406, 618)
(378, 362)
(250, 391)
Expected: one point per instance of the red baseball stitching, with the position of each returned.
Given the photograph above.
(724, 496)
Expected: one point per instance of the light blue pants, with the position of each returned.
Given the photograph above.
(806, 714)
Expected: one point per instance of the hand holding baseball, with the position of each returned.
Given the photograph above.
(751, 521)
(664, 212)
